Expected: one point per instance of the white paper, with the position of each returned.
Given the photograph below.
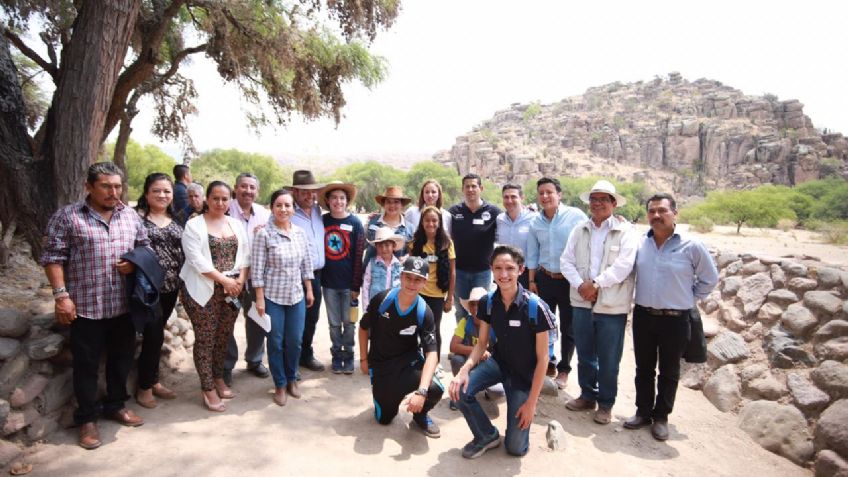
(264, 321)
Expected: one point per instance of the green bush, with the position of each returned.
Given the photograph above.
(835, 233)
(142, 161)
(226, 164)
(702, 224)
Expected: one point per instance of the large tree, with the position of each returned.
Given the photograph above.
(102, 57)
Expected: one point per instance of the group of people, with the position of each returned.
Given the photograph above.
(117, 273)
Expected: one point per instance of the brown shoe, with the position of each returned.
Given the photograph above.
(603, 415)
(561, 380)
(293, 390)
(280, 396)
(659, 429)
(580, 404)
(126, 417)
(144, 402)
(637, 422)
(89, 436)
(160, 391)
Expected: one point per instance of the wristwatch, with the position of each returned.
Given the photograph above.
(421, 392)
(595, 285)
(60, 290)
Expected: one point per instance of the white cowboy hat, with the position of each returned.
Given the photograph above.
(476, 294)
(386, 234)
(605, 187)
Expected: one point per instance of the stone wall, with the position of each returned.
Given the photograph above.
(778, 355)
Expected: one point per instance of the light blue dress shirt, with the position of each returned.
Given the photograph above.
(674, 275)
(515, 232)
(548, 237)
(313, 225)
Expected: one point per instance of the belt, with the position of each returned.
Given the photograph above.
(662, 312)
(554, 275)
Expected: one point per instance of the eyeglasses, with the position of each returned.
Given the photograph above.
(601, 200)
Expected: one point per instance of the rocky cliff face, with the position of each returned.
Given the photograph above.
(688, 137)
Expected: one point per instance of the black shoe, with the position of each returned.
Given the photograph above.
(260, 371)
(637, 422)
(228, 377)
(312, 364)
(427, 426)
(659, 429)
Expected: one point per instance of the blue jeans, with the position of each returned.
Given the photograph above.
(284, 340)
(485, 374)
(337, 304)
(599, 339)
(465, 282)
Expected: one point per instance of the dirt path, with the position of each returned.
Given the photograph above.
(331, 431)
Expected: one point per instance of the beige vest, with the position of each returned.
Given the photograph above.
(613, 300)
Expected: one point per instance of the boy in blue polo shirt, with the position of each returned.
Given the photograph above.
(521, 322)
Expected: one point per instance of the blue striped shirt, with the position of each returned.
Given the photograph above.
(548, 237)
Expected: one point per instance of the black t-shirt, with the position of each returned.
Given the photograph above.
(344, 242)
(515, 349)
(394, 337)
(473, 235)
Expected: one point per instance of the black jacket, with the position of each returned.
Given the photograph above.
(696, 348)
(143, 286)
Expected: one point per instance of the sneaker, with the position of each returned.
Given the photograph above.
(452, 405)
(475, 449)
(427, 425)
(347, 367)
(337, 365)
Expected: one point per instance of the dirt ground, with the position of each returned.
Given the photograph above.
(331, 429)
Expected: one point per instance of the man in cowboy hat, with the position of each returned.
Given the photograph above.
(307, 215)
(392, 201)
(344, 244)
(598, 263)
(473, 225)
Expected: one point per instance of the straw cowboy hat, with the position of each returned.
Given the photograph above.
(385, 234)
(349, 189)
(305, 180)
(393, 192)
(604, 187)
(476, 294)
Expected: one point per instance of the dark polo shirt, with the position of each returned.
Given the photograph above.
(395, 335)
(473, 235)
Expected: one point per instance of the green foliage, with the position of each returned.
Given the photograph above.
(532, 111)
(755, 208)
(226, 164)
(447, 178)
(371, 178)
(635, 193)
(142, 161)
(702, 224)
(491, 192)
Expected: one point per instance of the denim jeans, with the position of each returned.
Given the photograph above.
(485, 374)
(284, 340)
(600, 341)
(465, 282)
(337, 304)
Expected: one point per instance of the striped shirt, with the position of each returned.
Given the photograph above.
(88, 248)
(279, 262)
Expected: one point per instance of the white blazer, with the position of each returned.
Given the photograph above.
(198, 258)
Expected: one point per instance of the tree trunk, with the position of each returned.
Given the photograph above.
(39, 182)
(119, 157)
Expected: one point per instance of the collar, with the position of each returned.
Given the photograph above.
(273, 227)
(382, 220)
(520, 296)
(85, 207)
(297, 209)
(394, 259)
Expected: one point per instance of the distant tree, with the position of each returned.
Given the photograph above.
(226, 164)
(141, 161)
(447, 177)
(751, 207)
(371, 178)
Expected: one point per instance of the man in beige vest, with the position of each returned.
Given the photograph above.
(598, 263)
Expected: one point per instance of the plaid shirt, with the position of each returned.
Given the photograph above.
(279, 262)
(88, 248)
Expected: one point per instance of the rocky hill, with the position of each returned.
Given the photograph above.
(688, 137)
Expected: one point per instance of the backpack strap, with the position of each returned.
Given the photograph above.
(533, 308)
(489, 303)
(421, 309)
(388, 300)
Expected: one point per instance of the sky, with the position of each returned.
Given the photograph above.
(454, 63)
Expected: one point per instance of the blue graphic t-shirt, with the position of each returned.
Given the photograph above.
(344, 243)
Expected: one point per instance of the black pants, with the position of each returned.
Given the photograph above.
(436, 305)
(254, 335)
(312, 314)
(151, 344)
(89, 339)
(654, 337)
(390, 386)
(555, 292)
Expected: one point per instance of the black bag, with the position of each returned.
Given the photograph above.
(696, 348)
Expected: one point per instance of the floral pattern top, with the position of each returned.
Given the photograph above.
(167, 243)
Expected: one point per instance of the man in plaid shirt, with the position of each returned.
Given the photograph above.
(84, 243)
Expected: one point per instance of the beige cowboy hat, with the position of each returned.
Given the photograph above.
(385, 234)
(476, 294)
(393, 192)
(604, 187)
(303, 179)
(349, 189)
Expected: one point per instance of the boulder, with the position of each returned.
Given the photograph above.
(28, 390)
(769, 313)
(830, 464)
(43, 426)
(8, 452)
(778, 428)
(711, 326)
(723, 388)
(43, 321)
(188, 338)
(174, 357)
(831, 341)
(12, 371)
(765, 387)
(13, 323)
(727, 347)
(57, 393)
(778, 277)
(731, 286)
(771, 260)
(831, 430)
(752, 371)
(794, 269)
(832, 378)
(8, 348)
(753, 333)
(802, 284)
(709, 305)
(753, 292)
(17, 420)
(693, 375)
(734, 268)
(549, 387)
(808, 398)
(732, 317)
(784, 351)
(754, 267)
(782, 297)
(823, 301)
(45, 347)
(829, 277)
(555, 435)
(798, 320)
(5, 408)
(726, 258)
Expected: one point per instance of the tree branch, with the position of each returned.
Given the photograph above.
(29, 53)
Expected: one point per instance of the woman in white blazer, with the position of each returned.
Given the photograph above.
(217, 257)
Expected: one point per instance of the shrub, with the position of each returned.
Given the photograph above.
(835, 233)
(786, 224)
(702, 224)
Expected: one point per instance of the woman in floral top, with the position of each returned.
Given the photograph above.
(281, 272)
(157, 214)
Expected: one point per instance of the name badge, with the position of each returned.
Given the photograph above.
(408, 331)
(614, 248)
(523, 229)
(515, 323)
(432, 258)
(478, 222)
(346, 227)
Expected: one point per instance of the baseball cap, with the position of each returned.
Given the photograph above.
(416, 266)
